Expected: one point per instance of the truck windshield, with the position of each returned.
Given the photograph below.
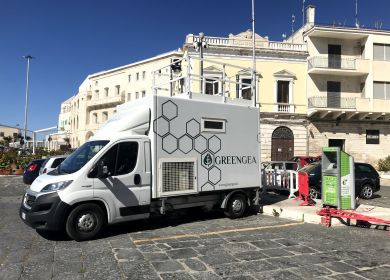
(81, 156)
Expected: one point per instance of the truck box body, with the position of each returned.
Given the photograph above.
(197, 145)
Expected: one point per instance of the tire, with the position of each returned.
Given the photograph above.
(236, 206)
(84, 222)
(367, 191)
(314, 194)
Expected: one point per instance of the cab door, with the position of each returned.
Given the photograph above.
(126, 186)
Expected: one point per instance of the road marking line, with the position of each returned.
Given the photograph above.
(216, 232)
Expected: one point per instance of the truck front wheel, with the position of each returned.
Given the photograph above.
(84, 222)
(236, 206)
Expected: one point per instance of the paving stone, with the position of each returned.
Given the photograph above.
(347, 276)
(68, 255)
(122, 243)
(217, 259)
(238, 268)
(250, 255)
(37, 271)
(167, 266)
(163, 246)
(68, 276)
(183, 244)
(176, 276)
(195, 264)
(240, 277)
(184, 253)
(212, 241)
(207, 275)
(11, 271)
(211, 249)
(265, 244)
(276, 252)
(285, 242)
(299, 249)
(311, 271)
(150, 248)
(364, 263)
(278, 274)
(60, 267)
(138, 270)
(238, 247)
(375, 273)
(339, 267)
(159, 256)
(127, 254)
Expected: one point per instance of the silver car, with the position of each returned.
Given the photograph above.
(51, 163)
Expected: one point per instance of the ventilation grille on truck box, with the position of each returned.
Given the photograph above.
(178, 177)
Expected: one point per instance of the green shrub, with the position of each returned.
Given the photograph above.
(384, 164)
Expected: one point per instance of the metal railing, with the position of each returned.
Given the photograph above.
(332, 101)
(330, 62)
(244, 42)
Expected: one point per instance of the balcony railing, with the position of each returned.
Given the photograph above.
(332, 101)
(243, 42)
(106, 101)
(285, 108)
(330, 62)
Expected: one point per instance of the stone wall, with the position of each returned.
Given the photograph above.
(354, 134)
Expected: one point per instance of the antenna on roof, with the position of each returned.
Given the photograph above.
(356, 14)
(303, 12)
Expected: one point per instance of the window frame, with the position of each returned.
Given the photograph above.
(213, 130)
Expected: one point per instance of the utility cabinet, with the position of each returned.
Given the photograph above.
(338, 178)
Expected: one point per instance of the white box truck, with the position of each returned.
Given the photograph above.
(154, 155)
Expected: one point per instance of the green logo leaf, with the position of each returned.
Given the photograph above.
(208, 160)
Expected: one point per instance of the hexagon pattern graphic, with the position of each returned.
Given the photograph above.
(189, 141)
(200, 144)
(161, 126)
(169, 110)
(214, 144)
(185, 144)
(214, 175)
(169, 143)
(193, 128)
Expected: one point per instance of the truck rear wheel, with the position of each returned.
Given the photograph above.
(236, 206)
(84, 222)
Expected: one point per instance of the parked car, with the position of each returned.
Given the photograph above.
(51, 163)
(305, 160)
(282, 165)
(367, 180)
(32, 171)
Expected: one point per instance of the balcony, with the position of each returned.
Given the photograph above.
(347, 66)
(247, 43)
(333, 101)
(106, 102)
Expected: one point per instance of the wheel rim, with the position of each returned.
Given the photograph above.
(367, 191)
(86, 222)
(237, 205)
(313, 194)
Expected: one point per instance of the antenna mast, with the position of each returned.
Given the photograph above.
(356, 14)
(303, 12)
(253, 56)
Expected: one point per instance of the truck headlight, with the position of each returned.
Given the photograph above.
(56, 186)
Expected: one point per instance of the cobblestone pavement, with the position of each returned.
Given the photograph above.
(191, 246)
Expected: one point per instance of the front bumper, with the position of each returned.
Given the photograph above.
(43, 211)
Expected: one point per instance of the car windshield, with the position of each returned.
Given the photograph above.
(81, 156)
(308, 168)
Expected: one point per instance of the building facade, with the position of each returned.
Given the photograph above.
(348, 88)
(9, 132)
(101, 92)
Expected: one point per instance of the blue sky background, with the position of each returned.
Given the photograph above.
(73, 38)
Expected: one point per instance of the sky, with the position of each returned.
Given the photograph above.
(73, 38)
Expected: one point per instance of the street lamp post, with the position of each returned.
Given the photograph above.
(200, 46)
(28, 57)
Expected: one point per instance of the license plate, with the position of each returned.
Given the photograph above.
(23, 215)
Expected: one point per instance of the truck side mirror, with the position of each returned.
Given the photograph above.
(102, 170)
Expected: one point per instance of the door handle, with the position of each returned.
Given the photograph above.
(137, 179)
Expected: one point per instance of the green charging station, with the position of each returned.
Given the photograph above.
(338, 178)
